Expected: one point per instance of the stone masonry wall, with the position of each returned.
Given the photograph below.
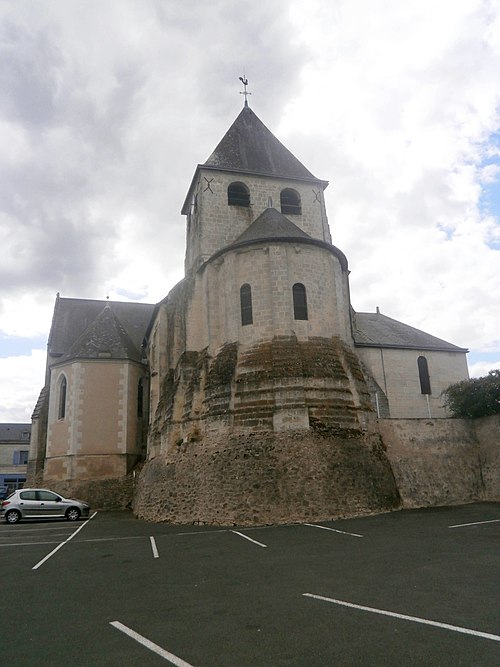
(396, 372)
(214, 224)
(322, 474)
(444, 461)
(268, 478)
(271, 270)
(101, 494)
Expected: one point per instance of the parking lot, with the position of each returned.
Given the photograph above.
(414, 587)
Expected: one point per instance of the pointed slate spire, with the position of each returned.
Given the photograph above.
(248, 146)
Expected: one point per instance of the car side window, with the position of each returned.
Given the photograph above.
(46, 495)
(28, 495)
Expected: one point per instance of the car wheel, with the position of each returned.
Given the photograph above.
(73, 513)
(12, 516)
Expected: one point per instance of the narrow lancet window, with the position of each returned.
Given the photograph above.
(290, 202)
(423, 374)
(299, 302)
(246, 304)
(140, 399)
(61, 412)
(238, 195)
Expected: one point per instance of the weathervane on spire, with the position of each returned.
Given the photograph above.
(244, 81)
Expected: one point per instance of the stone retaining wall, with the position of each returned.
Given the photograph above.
(308, 476)
(266, 478)
(444, 461)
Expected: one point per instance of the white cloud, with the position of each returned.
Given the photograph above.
(108, 107)
(21, 379)
(481, 368)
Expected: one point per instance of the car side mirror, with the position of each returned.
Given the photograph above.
(58, 500)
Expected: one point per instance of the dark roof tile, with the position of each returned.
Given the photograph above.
(271, 224)
(377, 330)
(249, 146)
(105, 337)
(73, 316)
(15, 433)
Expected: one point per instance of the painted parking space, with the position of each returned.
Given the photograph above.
(211, 596)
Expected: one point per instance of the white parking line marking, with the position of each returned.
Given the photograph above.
(59, 546)
(204, 532)
(343, 532)
(415, 619)
(153, 546)
(26, 544)
(476, 523)
(248, 538)
(56, 525)
(178, 662)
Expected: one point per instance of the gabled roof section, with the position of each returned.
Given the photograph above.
(249, 146)
(73, 316)
(377, 330)
(271, 224)
(104, 338)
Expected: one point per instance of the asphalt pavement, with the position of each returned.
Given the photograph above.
(416, 587)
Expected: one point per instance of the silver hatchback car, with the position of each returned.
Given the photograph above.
(41, 504)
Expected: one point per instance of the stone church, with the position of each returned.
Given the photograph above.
(254, 379)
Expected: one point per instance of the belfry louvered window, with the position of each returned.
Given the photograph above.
(299, 302)
(238, 195)
(423, 374)
(246, 304)
(290, 202)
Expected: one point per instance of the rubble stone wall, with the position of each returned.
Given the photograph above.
(321, 474)
(267, 477)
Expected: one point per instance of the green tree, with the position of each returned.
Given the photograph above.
(478, 397)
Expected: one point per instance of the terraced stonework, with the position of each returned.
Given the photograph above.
(281, 431)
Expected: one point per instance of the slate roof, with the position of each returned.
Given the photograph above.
(72, 317)
(105, 337)
(271, 224)
(14, 432)
(41, 402)
(250, 147)
(377, 330)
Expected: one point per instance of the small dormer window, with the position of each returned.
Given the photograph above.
(238, 195)
(290, 202)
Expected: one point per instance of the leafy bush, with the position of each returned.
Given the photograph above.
(478, 397)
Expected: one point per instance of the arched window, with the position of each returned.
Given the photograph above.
(61, 411)
(299, 302)
(290, 202)
(423, 374)
(238, 195)
(246, 304)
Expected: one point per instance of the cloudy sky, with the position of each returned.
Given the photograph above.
(107, 106)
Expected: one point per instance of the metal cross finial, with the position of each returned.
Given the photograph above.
(244, 81)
